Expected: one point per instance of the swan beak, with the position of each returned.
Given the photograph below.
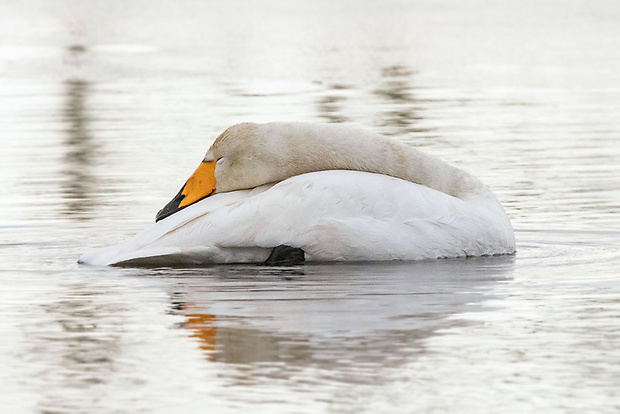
(200, 185)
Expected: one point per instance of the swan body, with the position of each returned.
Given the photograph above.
(335, 192)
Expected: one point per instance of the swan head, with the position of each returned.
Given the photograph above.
(244, 156)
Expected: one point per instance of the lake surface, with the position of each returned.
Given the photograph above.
(107, 107)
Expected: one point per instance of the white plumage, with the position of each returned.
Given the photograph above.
(333, 215)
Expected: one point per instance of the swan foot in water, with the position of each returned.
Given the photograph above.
(284, 255)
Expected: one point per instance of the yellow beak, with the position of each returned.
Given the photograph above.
(200, 185)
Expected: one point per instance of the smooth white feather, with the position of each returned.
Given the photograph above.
(331, 215)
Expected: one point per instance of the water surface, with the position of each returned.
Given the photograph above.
(107, 107)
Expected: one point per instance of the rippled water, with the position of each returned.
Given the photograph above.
(107, 107)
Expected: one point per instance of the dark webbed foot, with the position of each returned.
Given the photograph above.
(284, 255)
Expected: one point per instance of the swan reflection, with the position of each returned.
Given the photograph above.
(335, 318)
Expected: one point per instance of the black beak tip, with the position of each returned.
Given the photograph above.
(161, 214)
(168, 210)
(171, 208)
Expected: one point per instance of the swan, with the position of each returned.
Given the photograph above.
(325, 192)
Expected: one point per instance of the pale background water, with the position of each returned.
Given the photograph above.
(106, 107)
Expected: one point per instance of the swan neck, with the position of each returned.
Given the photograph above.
(338, 148)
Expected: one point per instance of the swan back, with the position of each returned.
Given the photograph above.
(249, 155)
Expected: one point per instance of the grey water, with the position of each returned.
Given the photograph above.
(106, 107)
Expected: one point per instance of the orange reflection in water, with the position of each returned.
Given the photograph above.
(201, 326)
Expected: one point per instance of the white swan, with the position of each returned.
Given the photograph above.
(335, 192)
